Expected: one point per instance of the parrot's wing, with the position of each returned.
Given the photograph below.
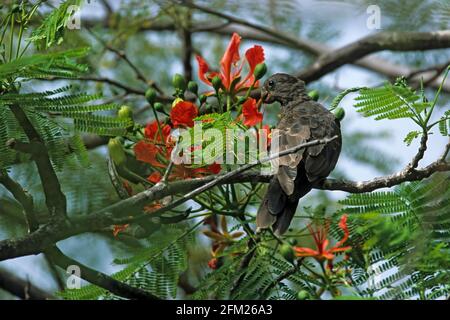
(291, 134)
(320, 160)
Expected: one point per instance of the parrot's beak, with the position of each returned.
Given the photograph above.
(265, 96)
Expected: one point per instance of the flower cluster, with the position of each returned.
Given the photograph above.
(221, 239)
(158, 142)
(320, 236)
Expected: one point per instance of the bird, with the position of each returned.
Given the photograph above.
(301, 120)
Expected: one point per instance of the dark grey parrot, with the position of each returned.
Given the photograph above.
(301, 120)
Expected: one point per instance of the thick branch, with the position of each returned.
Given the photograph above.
(23, 197)
(100, 279)
(54, 197)
(394, 41)
(21, 288)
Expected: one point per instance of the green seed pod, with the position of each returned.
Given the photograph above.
(178, 82)
(150, 95)
(260, 71)
(216, 83)
(339, 113)
(314, 94)
(159, 107)
(303, 295)
(125, 112)
(116, 151)
(287, 252)
(193, 87)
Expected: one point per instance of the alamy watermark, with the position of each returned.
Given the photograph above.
(373, 22)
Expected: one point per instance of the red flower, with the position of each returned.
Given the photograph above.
(228, 65)
(147, 152)
(320, 238)
(183, 114)
(213, 263)
(183, 172)
(119, 228)
(251, 114)
(155, 177)
(151, 132)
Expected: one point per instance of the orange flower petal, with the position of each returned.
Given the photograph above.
(183, 114)
(251, 114)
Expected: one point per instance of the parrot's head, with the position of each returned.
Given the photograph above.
(283, 88)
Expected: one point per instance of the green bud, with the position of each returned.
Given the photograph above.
(203, 98)
(293, 241)
(339, 113)
(287, 252)
(178, 82)
(303, 295)
(314, 94)
(260, 70)
(150, 95)
(193, 87)
(159, 107)
(116, 151)
(125, 112)
(216, 83)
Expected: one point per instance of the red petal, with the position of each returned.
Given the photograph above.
(183, 114)
(251, 114)
(343, 226)
(155, 177)
(305, 252)
(203, 69)
(230, 57)
(146, 152)
(215, 168)
(151, 131)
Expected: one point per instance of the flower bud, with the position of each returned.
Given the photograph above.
(314, 94)
(287, 252)
(339, 113)
(303, 295)
(216, 83)
(178, 82)
(125, 112)
(150, 95)
(193, 87)
(116, 151)
(260, 70)
(159, 107)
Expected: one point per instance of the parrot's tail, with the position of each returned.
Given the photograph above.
(280, 223)
(277, 208)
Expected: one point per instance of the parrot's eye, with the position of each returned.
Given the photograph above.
(271, 84)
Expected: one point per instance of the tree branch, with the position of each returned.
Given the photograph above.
(54, 197)
(394, 41)
(100, 279)
(23, 289)
(23, 197)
